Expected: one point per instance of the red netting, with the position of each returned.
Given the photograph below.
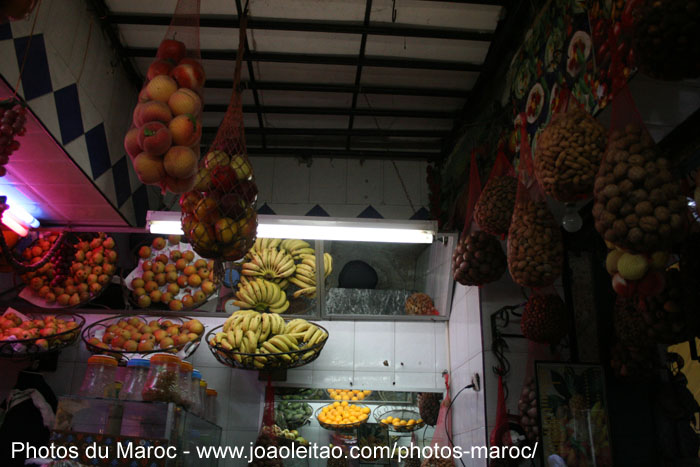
(269, 433)
(569, 151)
(638, 203)
(527, 403)
(500, 435)
(163, 141)
(218, 214)
(494, 209)
(535, 248)
(441, 443)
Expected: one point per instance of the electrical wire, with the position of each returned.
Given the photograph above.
(447, 415)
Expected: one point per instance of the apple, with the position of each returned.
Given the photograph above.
(225, 230)
(158, 268)
(185, 101)
(189, 74)
(189, 200)
(144, 301)
(166, 342)
(203, 273)
(653, 283)
(223, 178)
(175, 305)
(188, 256)
(166, 297)
(195, 326)
(182, 339)
(160, 279)
(170, 267)
(131, 345)
(242, 167)
(174, 240)
(201, 263)
(175, 255)
(194, 280)
(182, 281)
(171, 50)
(199, 297)
(173, 330)
(171, 276)
(148, 275)
(144, 252)
(145, 346)
(159, 67)
(162, 258)
(160, 334)
(191, 268)
(208, 287)
(158, 243)
(215, 159)
(187, 301)
(622, 287)
(160, 88)
(173, 288)
(151, 111)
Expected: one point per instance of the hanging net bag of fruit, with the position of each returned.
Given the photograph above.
(269, 434)
(218, 214)
(478, 258)
(12, 121)
(535, 247)
(569, 151)
(441, 446)
(163, 141)
(494, 208)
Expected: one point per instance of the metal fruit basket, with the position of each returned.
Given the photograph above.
(294, 421)
(344, 426)
(29, 348)
(403, 413)
(98, 328)
(267, 361)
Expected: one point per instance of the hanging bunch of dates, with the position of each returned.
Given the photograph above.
(478, 259)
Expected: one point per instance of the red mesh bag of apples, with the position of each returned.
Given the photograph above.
(218, 214)
(163, 141)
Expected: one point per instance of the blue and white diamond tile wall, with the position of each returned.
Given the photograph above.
(70, 84)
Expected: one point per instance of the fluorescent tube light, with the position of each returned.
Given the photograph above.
(13, 223)
(21, 215)
(310, 228)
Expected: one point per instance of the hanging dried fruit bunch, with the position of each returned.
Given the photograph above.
(429, 407)
(666, 38)
(545, 319)
(568, 155)
(494, 209)
(630, 328)
(535, 248)
(527, 407)
(478, 259)
(638, 204)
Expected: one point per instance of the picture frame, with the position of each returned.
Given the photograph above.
(573, 413)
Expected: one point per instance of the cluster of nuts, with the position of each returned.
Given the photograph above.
(667, 38)
(545, 319)
(535, 248)
(568, 155)
(527, 406)
(494, 208)
(638, 205)
(478, 259)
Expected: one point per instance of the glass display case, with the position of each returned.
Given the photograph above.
(111, 422)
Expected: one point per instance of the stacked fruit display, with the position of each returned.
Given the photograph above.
(48, 332)
(253, 340)
(163, 143)
(535, 248)
(429, 407)
(349, 394)
(218, 215)
(171, 274)
(667, 38)
(527, 407)
(342, 415)
(636, 274)
(420, 304)
(638, 204)
(12, 120)
(295, 414)
(261, 295)
(79, 269)
(136, 334)
(545, 319)
(568, 155)
(494, 209)
(478, 259)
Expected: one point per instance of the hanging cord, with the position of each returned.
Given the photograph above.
(87, 47)
(26, 51)
(447, 417)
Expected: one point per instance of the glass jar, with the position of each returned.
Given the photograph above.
(185, 383)
(196, 406)
(136, 376)
(210, 413)
(163, 379)
(203, 397)
(99, 377)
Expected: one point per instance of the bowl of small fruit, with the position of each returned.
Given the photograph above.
(26, 335)
(399, 419)
(342, 415)
(348, 394)
(170, 275)
(129, 336)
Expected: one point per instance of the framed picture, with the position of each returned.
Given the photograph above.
(573, 413)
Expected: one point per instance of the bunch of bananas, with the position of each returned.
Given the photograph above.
(296, 248)
(273, 341)
(261, 295)
(305, 274)
(270, 264)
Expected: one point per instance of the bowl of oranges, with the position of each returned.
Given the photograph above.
(349, 395)
(400, 419)
(342, 415)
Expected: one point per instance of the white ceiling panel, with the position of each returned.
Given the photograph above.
(166, 7)
(337, 10)
(305, 121)
(443, 14)
(138, 35)
(383, 101)
(303, 42)
(305, 73)
(381, 76)
(427, 48)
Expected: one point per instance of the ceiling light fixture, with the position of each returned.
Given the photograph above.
(315, 228)
(11, 222)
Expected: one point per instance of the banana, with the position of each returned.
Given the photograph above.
(256, 290)
(282, 298)
(327, 264)
(269, 346)
(278, 342)
(280, 309)
(316, 337)
(299, 283)
(254, 323)
(308, 354)
(289, 340)
(280, 324)
(296, 335)
(297, 325)
(231, 337)
(305, 291)
(309, 333)
(252, 341)
(245, 322)
(238, 337)
(265, 324)
(219, 336)
(226, 345)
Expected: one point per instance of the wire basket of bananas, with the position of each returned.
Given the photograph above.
(251, 340)
(276, 271)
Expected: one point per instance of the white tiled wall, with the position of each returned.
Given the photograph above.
(466, 360)
(343, 188)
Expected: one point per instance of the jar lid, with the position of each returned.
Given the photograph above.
(138, 362)
(196, 374)
(186, 367)
(102, 360)
(203, 384)
(165, 358)
(211, 392)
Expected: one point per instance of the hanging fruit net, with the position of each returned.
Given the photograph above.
(12, 121)
(494, 209)
(218, 214)
(163, 141)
